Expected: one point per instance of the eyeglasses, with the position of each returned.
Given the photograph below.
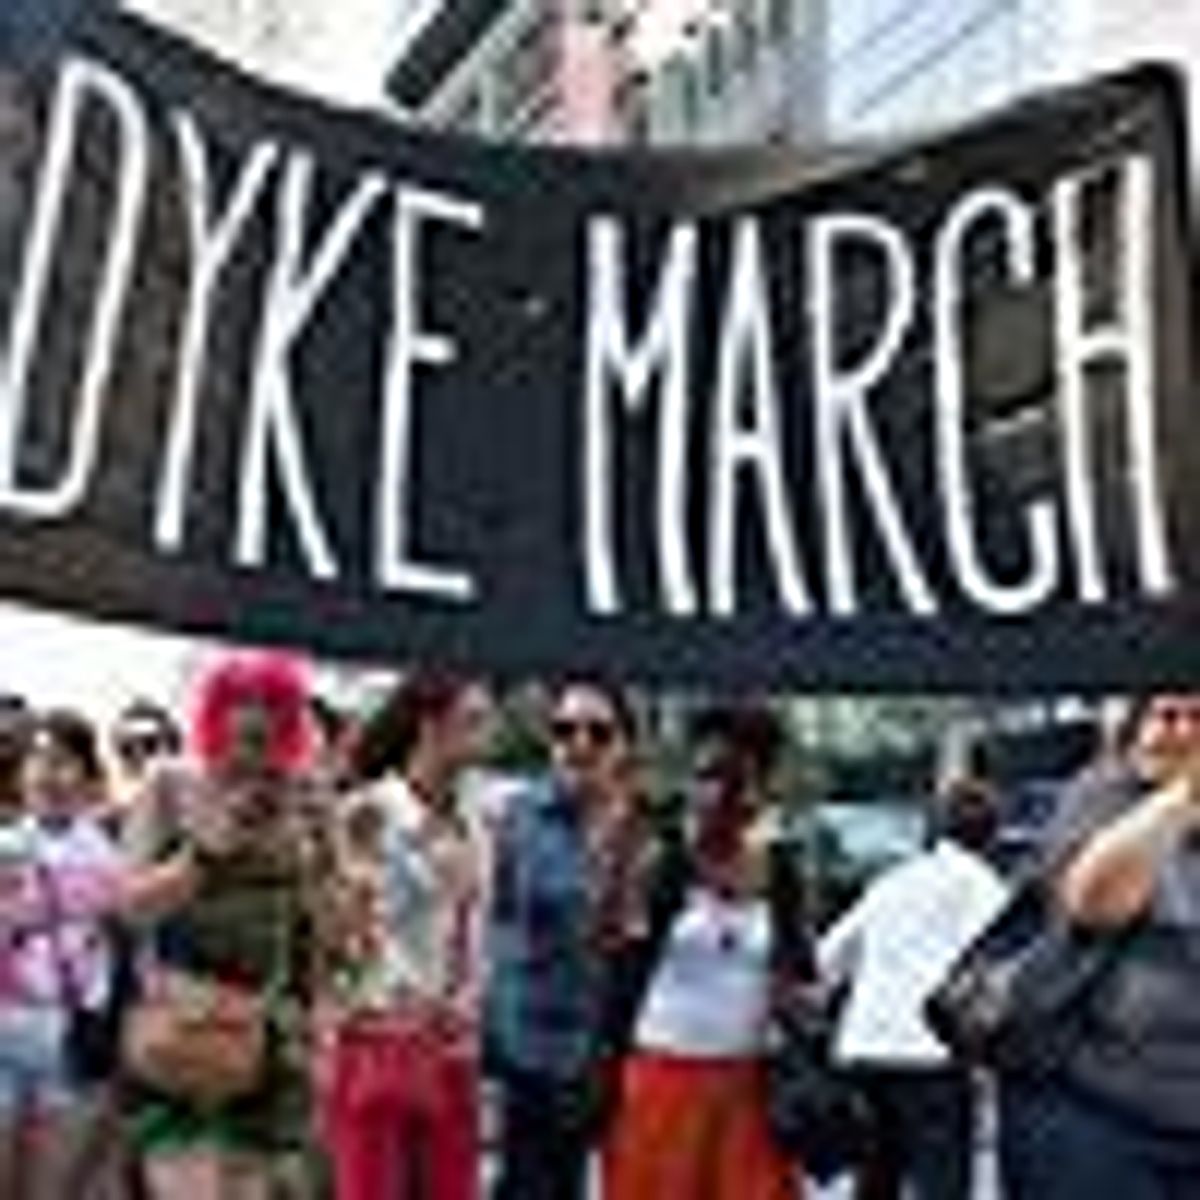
(1175, 712)
(142, 746)
(600, 733)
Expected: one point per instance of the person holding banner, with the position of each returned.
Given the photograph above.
(1121, 1116)
(400, 1106)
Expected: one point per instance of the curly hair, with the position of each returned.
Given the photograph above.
(276, 681)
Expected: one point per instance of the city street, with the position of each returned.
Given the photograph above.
(599, 598)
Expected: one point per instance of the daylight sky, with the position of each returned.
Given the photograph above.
(53, 659)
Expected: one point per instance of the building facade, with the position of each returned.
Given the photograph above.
(533, 70)
(896, 67)
(661, 71)
(711, 72)
(340, 51)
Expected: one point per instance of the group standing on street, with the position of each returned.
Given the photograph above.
(268, 952)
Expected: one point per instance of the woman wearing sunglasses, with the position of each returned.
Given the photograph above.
(559, 847)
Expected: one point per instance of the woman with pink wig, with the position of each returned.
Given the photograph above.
(241, 926)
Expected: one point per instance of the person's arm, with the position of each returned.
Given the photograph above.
(1111, 879)
(148, 892)
(197, 829)
(111, 889)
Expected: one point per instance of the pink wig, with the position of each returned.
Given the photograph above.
(279, 682)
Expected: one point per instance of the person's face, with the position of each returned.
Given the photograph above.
(250, 738)
(139, 743)
(461, 734)
(1168, 736)
(725, 797)
(590, 750)
(56, 784)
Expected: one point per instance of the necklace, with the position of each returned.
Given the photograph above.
(726, 919)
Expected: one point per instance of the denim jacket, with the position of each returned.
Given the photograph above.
(543, 1005)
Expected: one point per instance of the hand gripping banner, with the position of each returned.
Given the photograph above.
(922, 417)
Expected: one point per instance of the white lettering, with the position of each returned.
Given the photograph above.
(410, 346)
(293, 292)
(746, 346)
(958, 500)
(663, 349)
(212, 237)
(78, 82)
(839, 396)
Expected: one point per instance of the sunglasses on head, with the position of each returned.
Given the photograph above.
(596, 731)
(141, 745)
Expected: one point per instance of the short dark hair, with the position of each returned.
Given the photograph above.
(73, 733)
(968, 811)
(750, 730)
(147, 711)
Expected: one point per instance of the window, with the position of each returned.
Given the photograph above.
(780, 19)
(689, 95)
(541, 119)
(527, 71)
(715, 59)
(744, 38)
(633, 108)
(465, 112)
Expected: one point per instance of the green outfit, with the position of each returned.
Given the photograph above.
(248, 925)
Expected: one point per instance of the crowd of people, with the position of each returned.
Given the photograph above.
(266, 951)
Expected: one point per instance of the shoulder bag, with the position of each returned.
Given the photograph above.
(815, 1110)
(1019, 999)
(202, 1040)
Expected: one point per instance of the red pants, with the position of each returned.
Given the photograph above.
(694, 1127)
(401, 1115)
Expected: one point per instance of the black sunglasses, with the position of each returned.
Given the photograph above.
(598, 732)
(138, 746)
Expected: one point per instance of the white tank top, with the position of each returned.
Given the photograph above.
(708, 995)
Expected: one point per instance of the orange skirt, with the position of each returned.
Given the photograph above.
(694, 1129)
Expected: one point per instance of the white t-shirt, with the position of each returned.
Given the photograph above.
(434, 899)
(895, 946)
(709, 994)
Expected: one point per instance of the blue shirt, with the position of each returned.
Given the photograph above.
(542, 1007)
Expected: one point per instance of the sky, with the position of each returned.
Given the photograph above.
(53, 659)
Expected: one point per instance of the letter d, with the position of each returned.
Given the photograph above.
(78, 82)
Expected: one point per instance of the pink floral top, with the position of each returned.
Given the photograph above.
(56, 882)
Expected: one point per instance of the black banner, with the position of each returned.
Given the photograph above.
(288, 374)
